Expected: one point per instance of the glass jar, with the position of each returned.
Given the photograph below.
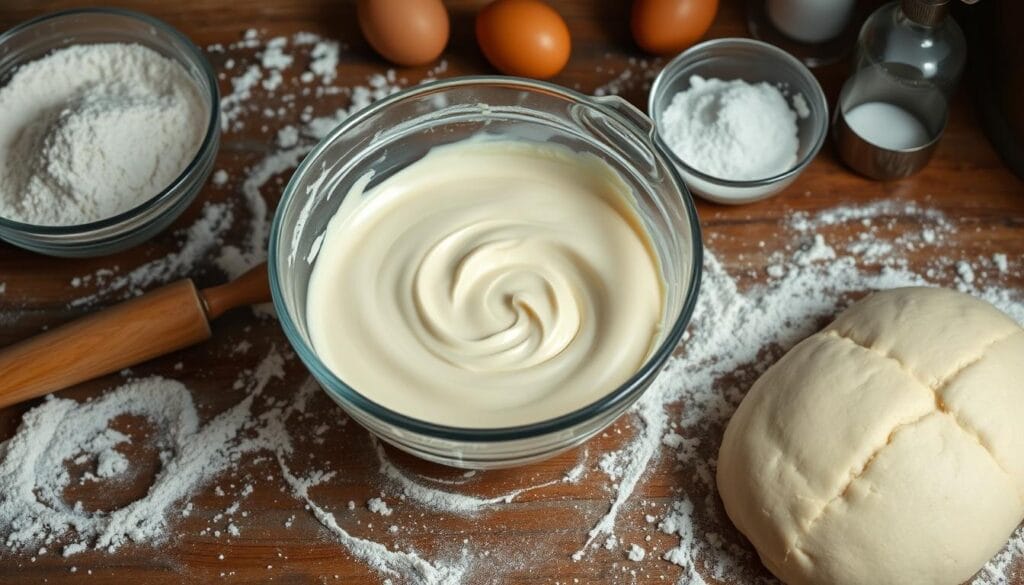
(817, 32)
(893, 108)
(914, 41)
(399, 130)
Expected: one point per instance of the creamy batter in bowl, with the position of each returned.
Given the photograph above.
(396, 135)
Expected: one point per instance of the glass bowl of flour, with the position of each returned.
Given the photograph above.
(740, 118)
(500, 372)
(110, 129)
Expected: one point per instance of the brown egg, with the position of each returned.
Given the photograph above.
(523, 37)
(405, 32)
(666, 27)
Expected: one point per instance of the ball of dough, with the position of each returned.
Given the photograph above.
(887, 448)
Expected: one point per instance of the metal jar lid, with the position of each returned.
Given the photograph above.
(926, 12)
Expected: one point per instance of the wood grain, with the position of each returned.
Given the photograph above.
(535, 534)
(154, 324)
(251, 288)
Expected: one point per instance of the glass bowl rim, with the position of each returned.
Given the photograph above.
(212, 126)
(623, 392)
(695, 55)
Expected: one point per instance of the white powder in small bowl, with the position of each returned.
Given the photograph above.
(732, 130)
(91, 131)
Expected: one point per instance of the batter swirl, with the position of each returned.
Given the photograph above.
(488, 284)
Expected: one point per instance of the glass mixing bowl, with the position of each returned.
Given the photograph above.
(399, 130)
(36, 38)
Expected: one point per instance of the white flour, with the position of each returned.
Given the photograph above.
(379, 506)
(91, 131)
(637, 75)
(731, 129)
(419, 490)
(820, 263)
(33, 474)
(236, 108)
(198, 240)
(736, 333)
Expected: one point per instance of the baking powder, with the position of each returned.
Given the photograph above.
(732, 130)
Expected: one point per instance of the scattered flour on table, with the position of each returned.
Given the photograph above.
(1001, 262)
(33, 474)
(91, 131)
(378, 506)
(407, 565)
(110, 463)
(198, 240)
(736, 334)
(636, 75)
(419, 489)
(220, 177)
(737, 331)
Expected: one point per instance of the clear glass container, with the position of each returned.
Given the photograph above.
(818, 32)
(754, 62)
(893, 109)
(915, 42)
(36, 38)
(399, 130)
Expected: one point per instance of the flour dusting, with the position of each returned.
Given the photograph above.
(748, 314)
(736, 334)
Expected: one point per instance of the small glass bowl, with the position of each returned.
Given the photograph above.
(36, 38)
(754, 62)
(401, 129)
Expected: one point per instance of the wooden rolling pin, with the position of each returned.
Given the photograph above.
(158, 322)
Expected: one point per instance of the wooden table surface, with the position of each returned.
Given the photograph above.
(533, 537)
